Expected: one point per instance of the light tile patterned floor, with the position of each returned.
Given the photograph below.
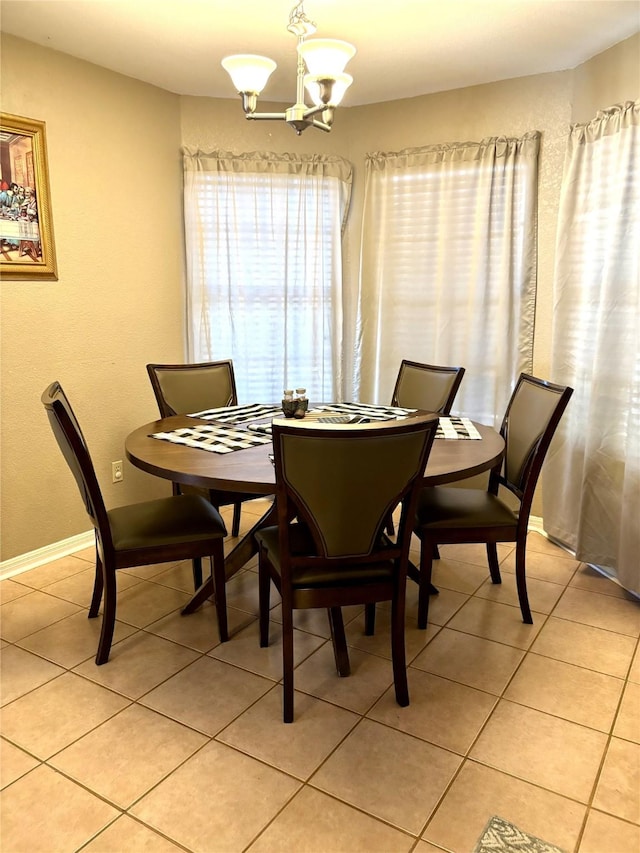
(177, 743)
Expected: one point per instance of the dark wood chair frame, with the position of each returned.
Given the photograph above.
(217, 497)
(386, 561)
(204, 529)
(521, 484)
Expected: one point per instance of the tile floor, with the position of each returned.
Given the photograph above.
(177, 743)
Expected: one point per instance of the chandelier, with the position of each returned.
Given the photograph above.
(323, 77)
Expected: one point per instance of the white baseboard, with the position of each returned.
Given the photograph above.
(32, 559)
(536, 526)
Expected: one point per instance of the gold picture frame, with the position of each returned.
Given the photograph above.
(27, 249)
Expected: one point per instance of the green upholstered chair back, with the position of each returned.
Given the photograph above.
(427, 386)
(181, 389)
(68, 434)
(343, 481)
(529, 424)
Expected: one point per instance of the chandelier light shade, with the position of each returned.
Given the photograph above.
(326, 57)
(321, 94)
(326, 82)
(249, 72)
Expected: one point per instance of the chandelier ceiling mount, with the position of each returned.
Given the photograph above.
(320, 69)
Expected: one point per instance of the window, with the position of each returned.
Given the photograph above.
(265, 270)
(449, 270)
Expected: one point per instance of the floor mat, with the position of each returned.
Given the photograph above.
(500, 836)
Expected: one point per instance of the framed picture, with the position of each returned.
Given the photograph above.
(27, 249)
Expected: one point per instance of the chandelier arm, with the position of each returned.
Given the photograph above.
(313, 111)
(321, 125)
(266, 116)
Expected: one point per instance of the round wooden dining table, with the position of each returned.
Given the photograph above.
(250, 470)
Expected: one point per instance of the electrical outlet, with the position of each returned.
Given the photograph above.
(117, 472)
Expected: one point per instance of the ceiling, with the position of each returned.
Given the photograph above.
(405, 47)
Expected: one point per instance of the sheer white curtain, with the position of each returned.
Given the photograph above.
(448, 272)
(591, 494)
(264, 268)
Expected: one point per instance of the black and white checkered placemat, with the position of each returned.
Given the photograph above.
(337, 412)
(456, 428)
(216, 439)
(263, 429)
(238, 414)
(366, 410)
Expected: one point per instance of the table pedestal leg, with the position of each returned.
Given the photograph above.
(339, 640)
(414, 574)
(234, 561)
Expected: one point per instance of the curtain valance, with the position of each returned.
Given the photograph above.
(455, 152)
(265, 162)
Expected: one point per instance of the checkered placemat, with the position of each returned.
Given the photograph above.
(238, 414)
(456, 428)
(216, 439)
(366, 410)
(341, 412)
(264, 429)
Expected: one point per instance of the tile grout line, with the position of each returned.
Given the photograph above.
(362, 716)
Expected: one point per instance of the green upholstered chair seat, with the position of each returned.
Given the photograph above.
(300, 539)
(441, 507)
(162, 522)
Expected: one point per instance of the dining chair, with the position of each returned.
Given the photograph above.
(426, 386)
(182, 389)
(339, 484)
(453, 515)
(181, 527)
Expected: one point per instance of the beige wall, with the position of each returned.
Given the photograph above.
(612, 77)
(115, 175)
(114, 160)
